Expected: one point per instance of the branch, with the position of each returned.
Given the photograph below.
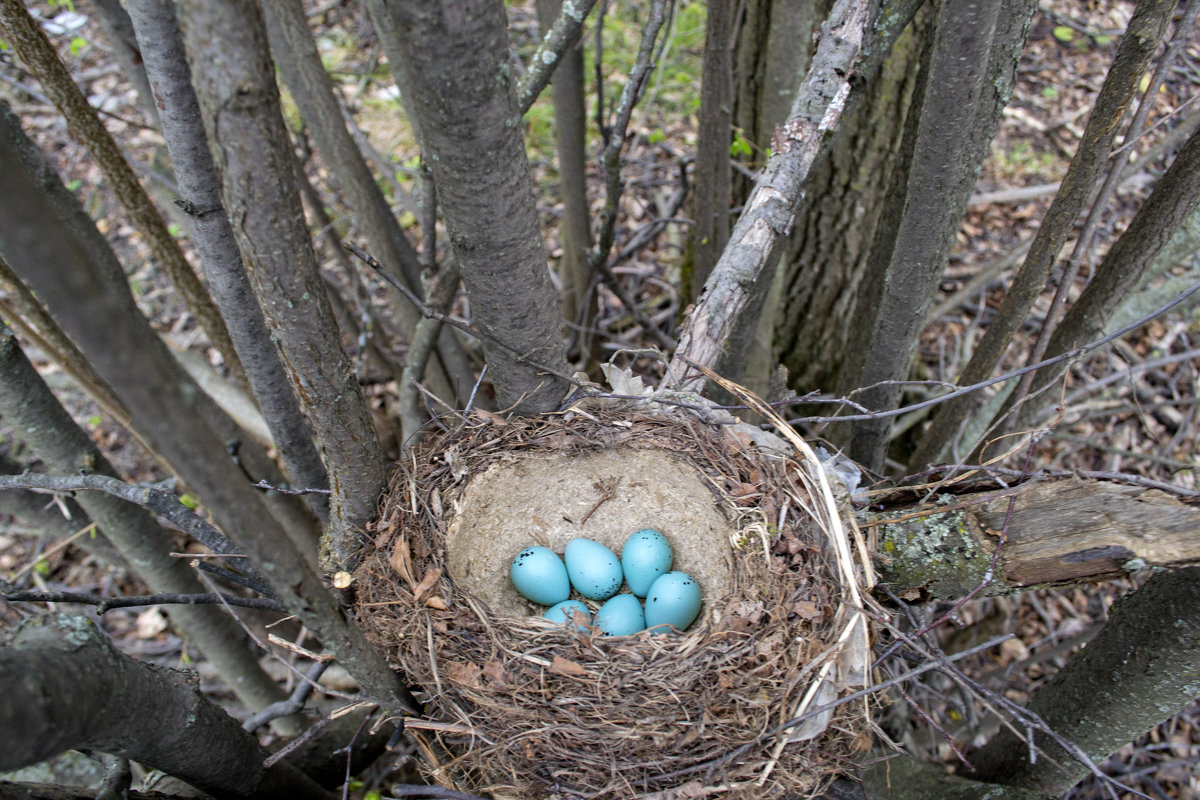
(154, 497)
(769, 213)
(106, 604)
(564, 34)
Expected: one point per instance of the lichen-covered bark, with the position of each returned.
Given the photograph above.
(456, 73)
(235, 81)
(1059, 532)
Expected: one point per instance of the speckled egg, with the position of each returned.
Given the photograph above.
(645, 556)
(620, 616)
(570, 612)
(539, 574)
(673, 599)
(594, 570)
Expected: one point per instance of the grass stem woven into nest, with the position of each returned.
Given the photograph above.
(534, 710)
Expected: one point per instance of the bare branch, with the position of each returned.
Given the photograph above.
(106, 604)
(563, 35)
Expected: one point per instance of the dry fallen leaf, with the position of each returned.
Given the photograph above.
(401, 560)
(465, 675)
(432, 574)
(567, 667)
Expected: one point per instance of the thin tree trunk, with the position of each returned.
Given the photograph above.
(570, 127)
(1138, 46)
(295, 53)
(54, 247)
(969, 78)
(1140, 670)
(713, 177)
(118, 29)
(1173, 201)
(454, 67)
(227, 45)
(155, 24)
(26, 37)
(69, 688)
(37, 419)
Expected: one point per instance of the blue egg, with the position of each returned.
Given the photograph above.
(620, 616)
(570, 612)
(539, 574)
(594, 570)
(645, 556)
(673, 599)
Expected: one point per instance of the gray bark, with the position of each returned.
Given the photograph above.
(38, 419)
(70, 689)
(295, 53)
(235, 81)
(47, 243)
(454, 67)
(1142, 668)
(570, 127)
(118, 29)
(155, 25)
(1138, 45)
(969, 76)
(27, 38)
(721, 325)
(97, 311)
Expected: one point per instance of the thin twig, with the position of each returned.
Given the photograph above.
(562, 35)
(106, 604)
(293, 704)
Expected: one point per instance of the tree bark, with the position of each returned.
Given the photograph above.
(454, 68)
(118, 29)
(1137, 47)
(1142, 668)
(46, 243)
(721, 325)
(1173, 201)
(968, 79)
(23, 33)
(295, 53)
(570, 127)
(179, 112)
(712, 195)
(235, 81)
(38, 420)
(70, 689)
(1060, 532)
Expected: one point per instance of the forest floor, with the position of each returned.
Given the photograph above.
(1132, 407)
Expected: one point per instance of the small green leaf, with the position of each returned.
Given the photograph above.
(41, 567)
(740, 145)
(174, 229)
(77, 45)
(372, 795)
(657, 136)
(74, 184)
(1050, 93)
(1103, 40)
(190, 500)
(1063, 33)
(94, 421)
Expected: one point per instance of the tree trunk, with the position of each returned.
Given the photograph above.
(69, 688)
(1138, 46)
(826, 253)
(235, 82)
(39, 421)
(47, 243)
(182, 127)
(967, 79)
(1142, 668)
(454, 68)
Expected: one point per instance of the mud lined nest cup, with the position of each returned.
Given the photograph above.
(520, 707)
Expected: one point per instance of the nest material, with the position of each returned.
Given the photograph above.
(527, 709)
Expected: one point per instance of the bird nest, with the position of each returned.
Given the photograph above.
(745, 703)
